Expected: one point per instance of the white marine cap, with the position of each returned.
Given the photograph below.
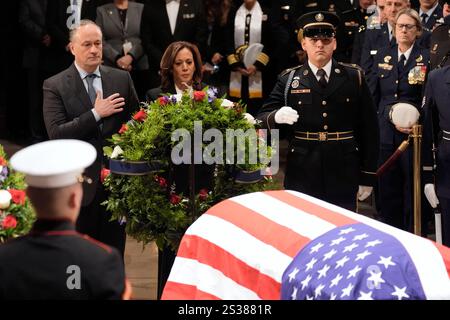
(404, 115)
(251, 54)
(55, 163)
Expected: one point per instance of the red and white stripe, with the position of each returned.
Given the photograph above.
(240, 248)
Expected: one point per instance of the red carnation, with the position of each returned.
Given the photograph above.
(199, 95)
(18, 196)
(163, 100)
(2, 161)
(203, 194)
(175, 199)
(9, 222)
(104, 174)
(123, 128)
(162, 182)
(140, 116)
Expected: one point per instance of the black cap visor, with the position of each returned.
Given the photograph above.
(319, 32)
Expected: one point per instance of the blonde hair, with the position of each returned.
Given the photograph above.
(413, 15)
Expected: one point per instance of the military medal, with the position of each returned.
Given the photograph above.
(305, 73)
(385, 66)
(419, 58)
(295, 84)
(417, 74)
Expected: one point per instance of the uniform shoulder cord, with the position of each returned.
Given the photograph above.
(288, 84)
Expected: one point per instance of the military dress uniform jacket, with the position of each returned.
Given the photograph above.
(46, 264)
(327, 169)
(389, 87)
(436, 112)
(374, 39)
(440, 44)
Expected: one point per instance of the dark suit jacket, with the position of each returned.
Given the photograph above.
(42, 270)
(435, 16)
(68, 115)
(115, 34)
(156, 35)
(32, 22)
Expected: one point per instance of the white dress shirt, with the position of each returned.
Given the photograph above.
(172, 7)
(326, 68)
(407, 53)
(97, 84)
(429, 12)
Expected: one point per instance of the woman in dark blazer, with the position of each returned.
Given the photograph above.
(181, 70)
(399, 76)
(120, 22)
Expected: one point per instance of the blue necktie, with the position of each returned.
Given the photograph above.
(91, 90)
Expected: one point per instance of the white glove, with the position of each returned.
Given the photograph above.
(364, 192)
(286, 115)
(430, 193)
(249, 118)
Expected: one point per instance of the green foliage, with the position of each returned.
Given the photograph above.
(152, 210)
(17, 216)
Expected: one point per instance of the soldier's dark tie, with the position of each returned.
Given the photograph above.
(424, 18)
(401, 64)
(322, 80)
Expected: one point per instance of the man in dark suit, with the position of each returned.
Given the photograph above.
(36, 40)
(56, 262)
(325, 110)
(166, 21)
(90, 102)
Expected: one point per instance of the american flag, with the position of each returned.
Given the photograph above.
(285, 244)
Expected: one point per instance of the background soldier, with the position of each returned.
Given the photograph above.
(326, 111)
(440, 39)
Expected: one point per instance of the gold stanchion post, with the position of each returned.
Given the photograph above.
(417, 139)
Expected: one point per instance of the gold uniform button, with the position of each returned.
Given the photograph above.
(382, 75)
(348, 99)
(395, 95)
(325, 127)
(396, 81)
(299, 102)
(324, 114)
(324, 103)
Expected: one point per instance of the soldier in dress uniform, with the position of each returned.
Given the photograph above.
(430, 12)
(440, 39)
(325, 110)
(399, 75)
(436, 111)
(54, 261)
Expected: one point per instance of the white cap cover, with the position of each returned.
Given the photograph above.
(55, 163)
(404, 115)
(251, 54)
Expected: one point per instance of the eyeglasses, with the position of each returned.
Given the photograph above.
(407, 26)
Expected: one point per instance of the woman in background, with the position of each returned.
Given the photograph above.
(120, 22)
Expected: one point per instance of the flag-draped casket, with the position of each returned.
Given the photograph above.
(285, 244)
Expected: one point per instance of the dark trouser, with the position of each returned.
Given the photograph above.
(36, 118)
(94, 221)
(166, 259)
(445, 218)
(395, 190)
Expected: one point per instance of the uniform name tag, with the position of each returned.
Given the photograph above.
(373, 52)
(301, 91)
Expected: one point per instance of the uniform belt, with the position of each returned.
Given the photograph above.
(445, 135)
(324, 136)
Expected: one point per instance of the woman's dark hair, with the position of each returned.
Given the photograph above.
(168, 60)
(217, 11)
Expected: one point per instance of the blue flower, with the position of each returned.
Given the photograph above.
(3, 173)
(212, 94)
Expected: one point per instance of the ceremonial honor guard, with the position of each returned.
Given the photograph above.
(326, 111)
